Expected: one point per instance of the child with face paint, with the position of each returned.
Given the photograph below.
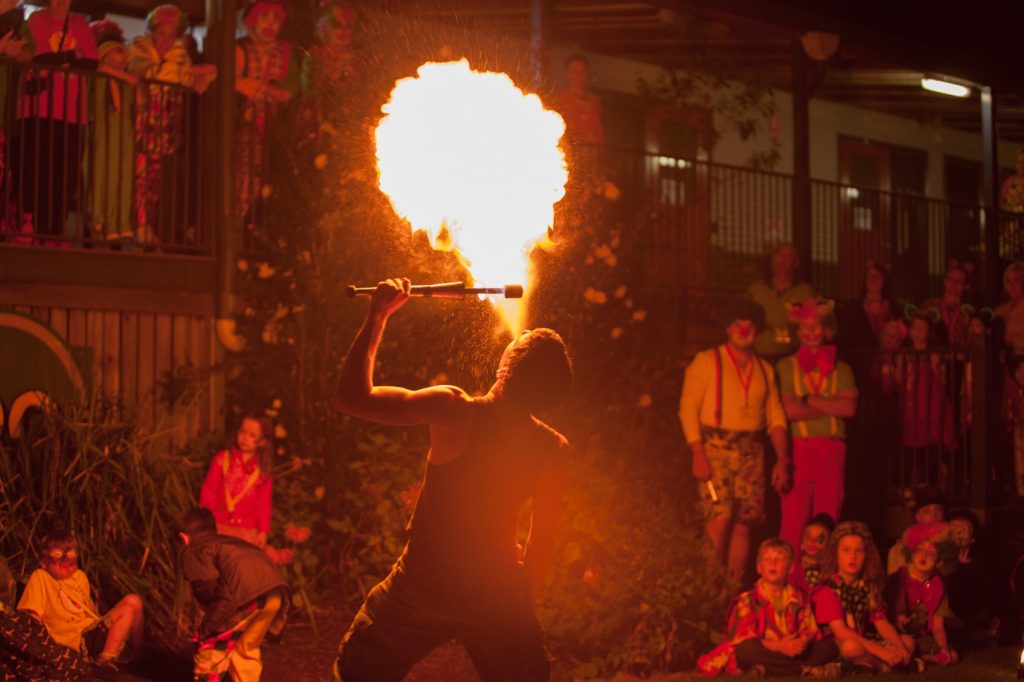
(238, 488)
(267, 74)
(58, 595)
(916, 595)
(807, 568)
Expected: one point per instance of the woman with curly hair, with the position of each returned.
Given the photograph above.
(848, 601)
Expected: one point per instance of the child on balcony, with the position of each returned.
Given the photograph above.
(111, 152)
(848, 601)
(771, 627)
(916, 596)
(238, 488)
(161, 55)
(267, 76)
(58, 596)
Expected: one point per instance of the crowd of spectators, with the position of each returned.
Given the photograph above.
(795, 367)
(100, 129)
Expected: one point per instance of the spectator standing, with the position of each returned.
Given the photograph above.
(238, 487)
(951, 327)
(818, 391)
(47, 152)
(161, 57)
(267, 76)
(729, 401)
(860, 321)
(111, 152)
(778, 339)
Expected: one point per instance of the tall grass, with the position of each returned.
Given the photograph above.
(91, 470)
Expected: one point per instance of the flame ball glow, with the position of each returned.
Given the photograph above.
(469, 152)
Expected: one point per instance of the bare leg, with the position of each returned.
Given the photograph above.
(716, 531)
(739, 547)
(125, 622)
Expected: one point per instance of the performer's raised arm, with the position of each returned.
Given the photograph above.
(356, 395)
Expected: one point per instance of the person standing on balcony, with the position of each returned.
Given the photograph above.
(266, 76)
(47, 150)
(161, 55)
(860, 321)
(951, 327)
(584, 133)
(111, 152)
(1011, 200)
(818, 392)
(777, 338)
(729, 401)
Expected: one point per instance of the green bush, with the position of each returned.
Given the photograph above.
(89, 470)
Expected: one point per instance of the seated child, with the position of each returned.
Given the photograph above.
(969, 587)
(771, 627)
(57, 595)
(848, 601)
(915, 594)
(807, 570)
(242, 591)
(929, 507)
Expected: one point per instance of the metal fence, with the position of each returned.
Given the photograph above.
(712, 225)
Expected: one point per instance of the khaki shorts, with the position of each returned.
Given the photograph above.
(737, 473)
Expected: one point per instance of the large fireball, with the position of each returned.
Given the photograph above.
(474, 161)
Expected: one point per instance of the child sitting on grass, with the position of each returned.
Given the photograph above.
(57, 595)
(807, 569)
(915, 594)
(244, 595)
(771, 627)
(848, 601)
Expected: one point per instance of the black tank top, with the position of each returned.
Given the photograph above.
(468, 509)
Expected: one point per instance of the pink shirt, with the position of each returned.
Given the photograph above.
(60, 97)
(252, 509)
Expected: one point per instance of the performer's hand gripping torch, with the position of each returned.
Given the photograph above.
(445, 290)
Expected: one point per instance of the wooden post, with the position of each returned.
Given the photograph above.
(801, 192)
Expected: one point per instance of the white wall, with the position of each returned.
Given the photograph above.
(828, 121)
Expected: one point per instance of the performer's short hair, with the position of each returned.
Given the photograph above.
(537, 370)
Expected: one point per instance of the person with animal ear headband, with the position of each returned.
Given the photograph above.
(818, 391)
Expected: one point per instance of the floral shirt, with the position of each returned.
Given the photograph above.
(755, 615)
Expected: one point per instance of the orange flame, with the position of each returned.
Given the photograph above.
(472, 160)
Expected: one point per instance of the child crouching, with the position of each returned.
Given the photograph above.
(771, 628)
(244, 595)
(916, 596)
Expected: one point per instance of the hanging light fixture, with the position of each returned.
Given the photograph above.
(945, 87)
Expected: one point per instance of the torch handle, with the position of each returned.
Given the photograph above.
(445, 290)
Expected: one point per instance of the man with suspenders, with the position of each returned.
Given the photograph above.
(729, 402)
(818, 391)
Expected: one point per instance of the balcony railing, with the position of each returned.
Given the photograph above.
(90, 160)
(711, 226)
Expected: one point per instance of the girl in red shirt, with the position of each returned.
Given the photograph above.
(238, 486)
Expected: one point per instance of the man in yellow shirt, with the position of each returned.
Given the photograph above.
(58, 596)
(729, 401)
